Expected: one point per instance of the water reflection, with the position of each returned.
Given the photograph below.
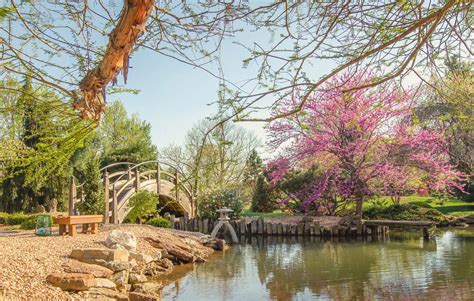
(275, 268)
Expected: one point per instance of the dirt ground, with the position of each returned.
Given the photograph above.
(26, 259)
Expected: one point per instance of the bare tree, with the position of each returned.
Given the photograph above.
(62, 44)
(219, 161)
(394, 39)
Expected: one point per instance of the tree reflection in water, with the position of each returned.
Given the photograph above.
(276, 268)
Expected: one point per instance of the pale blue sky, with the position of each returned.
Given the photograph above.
(174, 96)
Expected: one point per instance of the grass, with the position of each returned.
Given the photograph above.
(10, 228)
(451, 206)
(276, 213)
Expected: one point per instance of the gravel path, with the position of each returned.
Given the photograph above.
(26, 259)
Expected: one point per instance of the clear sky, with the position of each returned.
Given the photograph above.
(174, 96)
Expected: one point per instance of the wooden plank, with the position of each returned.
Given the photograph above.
(78, 219)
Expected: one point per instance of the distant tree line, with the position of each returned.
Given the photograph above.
(41, 146)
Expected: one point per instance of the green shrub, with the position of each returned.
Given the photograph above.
(159, 222)
(210, 202)
(25, 221)
(30, 223)
(411, 211)
(3, 217)
(143, 204)
(16, 218)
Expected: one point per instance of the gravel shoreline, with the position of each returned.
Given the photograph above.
(26, 259)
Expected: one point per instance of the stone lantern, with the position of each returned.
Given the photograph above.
(224, 221)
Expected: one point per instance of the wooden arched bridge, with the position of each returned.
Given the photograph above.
(123, 180)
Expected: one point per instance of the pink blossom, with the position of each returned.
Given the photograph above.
(365, 141)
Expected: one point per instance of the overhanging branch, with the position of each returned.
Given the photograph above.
(90, 99)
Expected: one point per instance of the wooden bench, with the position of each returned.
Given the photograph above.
(90, 223)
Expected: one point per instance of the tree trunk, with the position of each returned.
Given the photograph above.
(359, 202)
(90, 101)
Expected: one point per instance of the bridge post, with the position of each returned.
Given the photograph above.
(114, 206)
(193, 207)
(158, 179)
(137, 179)
(176, 182)
(129, 174)
(72, 195)
(106, 197)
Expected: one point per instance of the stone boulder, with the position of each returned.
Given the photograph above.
(104, 294)
(120, 278)
(89, 255)
(141, 258)
(137, 278)
(85, 268)
(147, 287)
(72, 281)
(104, 283)
(118, 266)
(118, 239)
(157, 268)
(136, 296)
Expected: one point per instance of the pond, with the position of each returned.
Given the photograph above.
(402, 267)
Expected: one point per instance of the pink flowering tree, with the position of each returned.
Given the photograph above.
(364, 141)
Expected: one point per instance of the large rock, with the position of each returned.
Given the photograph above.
(142, 258)
(115, 266)
(72, 281)
(89, 255)
(137, 278)
(119, 266)
(118, 239)
(136, 296)
(104, 294)
(85, 268)
(157, 268)
(147, 287)
(104, 283)
(120, 278)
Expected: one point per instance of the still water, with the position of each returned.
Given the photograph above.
(402, 267)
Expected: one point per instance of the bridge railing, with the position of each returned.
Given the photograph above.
(119, 180)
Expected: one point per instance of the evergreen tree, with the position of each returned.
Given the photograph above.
(253, 168)
(92, 189)
(16, 195)
(38, 172)
(263, 199)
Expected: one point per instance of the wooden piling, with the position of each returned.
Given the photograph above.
(72, 195)
(260, 225)
(106, 197)
(253, 227)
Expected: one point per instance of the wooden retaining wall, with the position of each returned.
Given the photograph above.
(260, 227)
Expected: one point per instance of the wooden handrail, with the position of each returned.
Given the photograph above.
(117, 182)
(115, 164)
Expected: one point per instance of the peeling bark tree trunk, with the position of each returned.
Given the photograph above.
(90, 100)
